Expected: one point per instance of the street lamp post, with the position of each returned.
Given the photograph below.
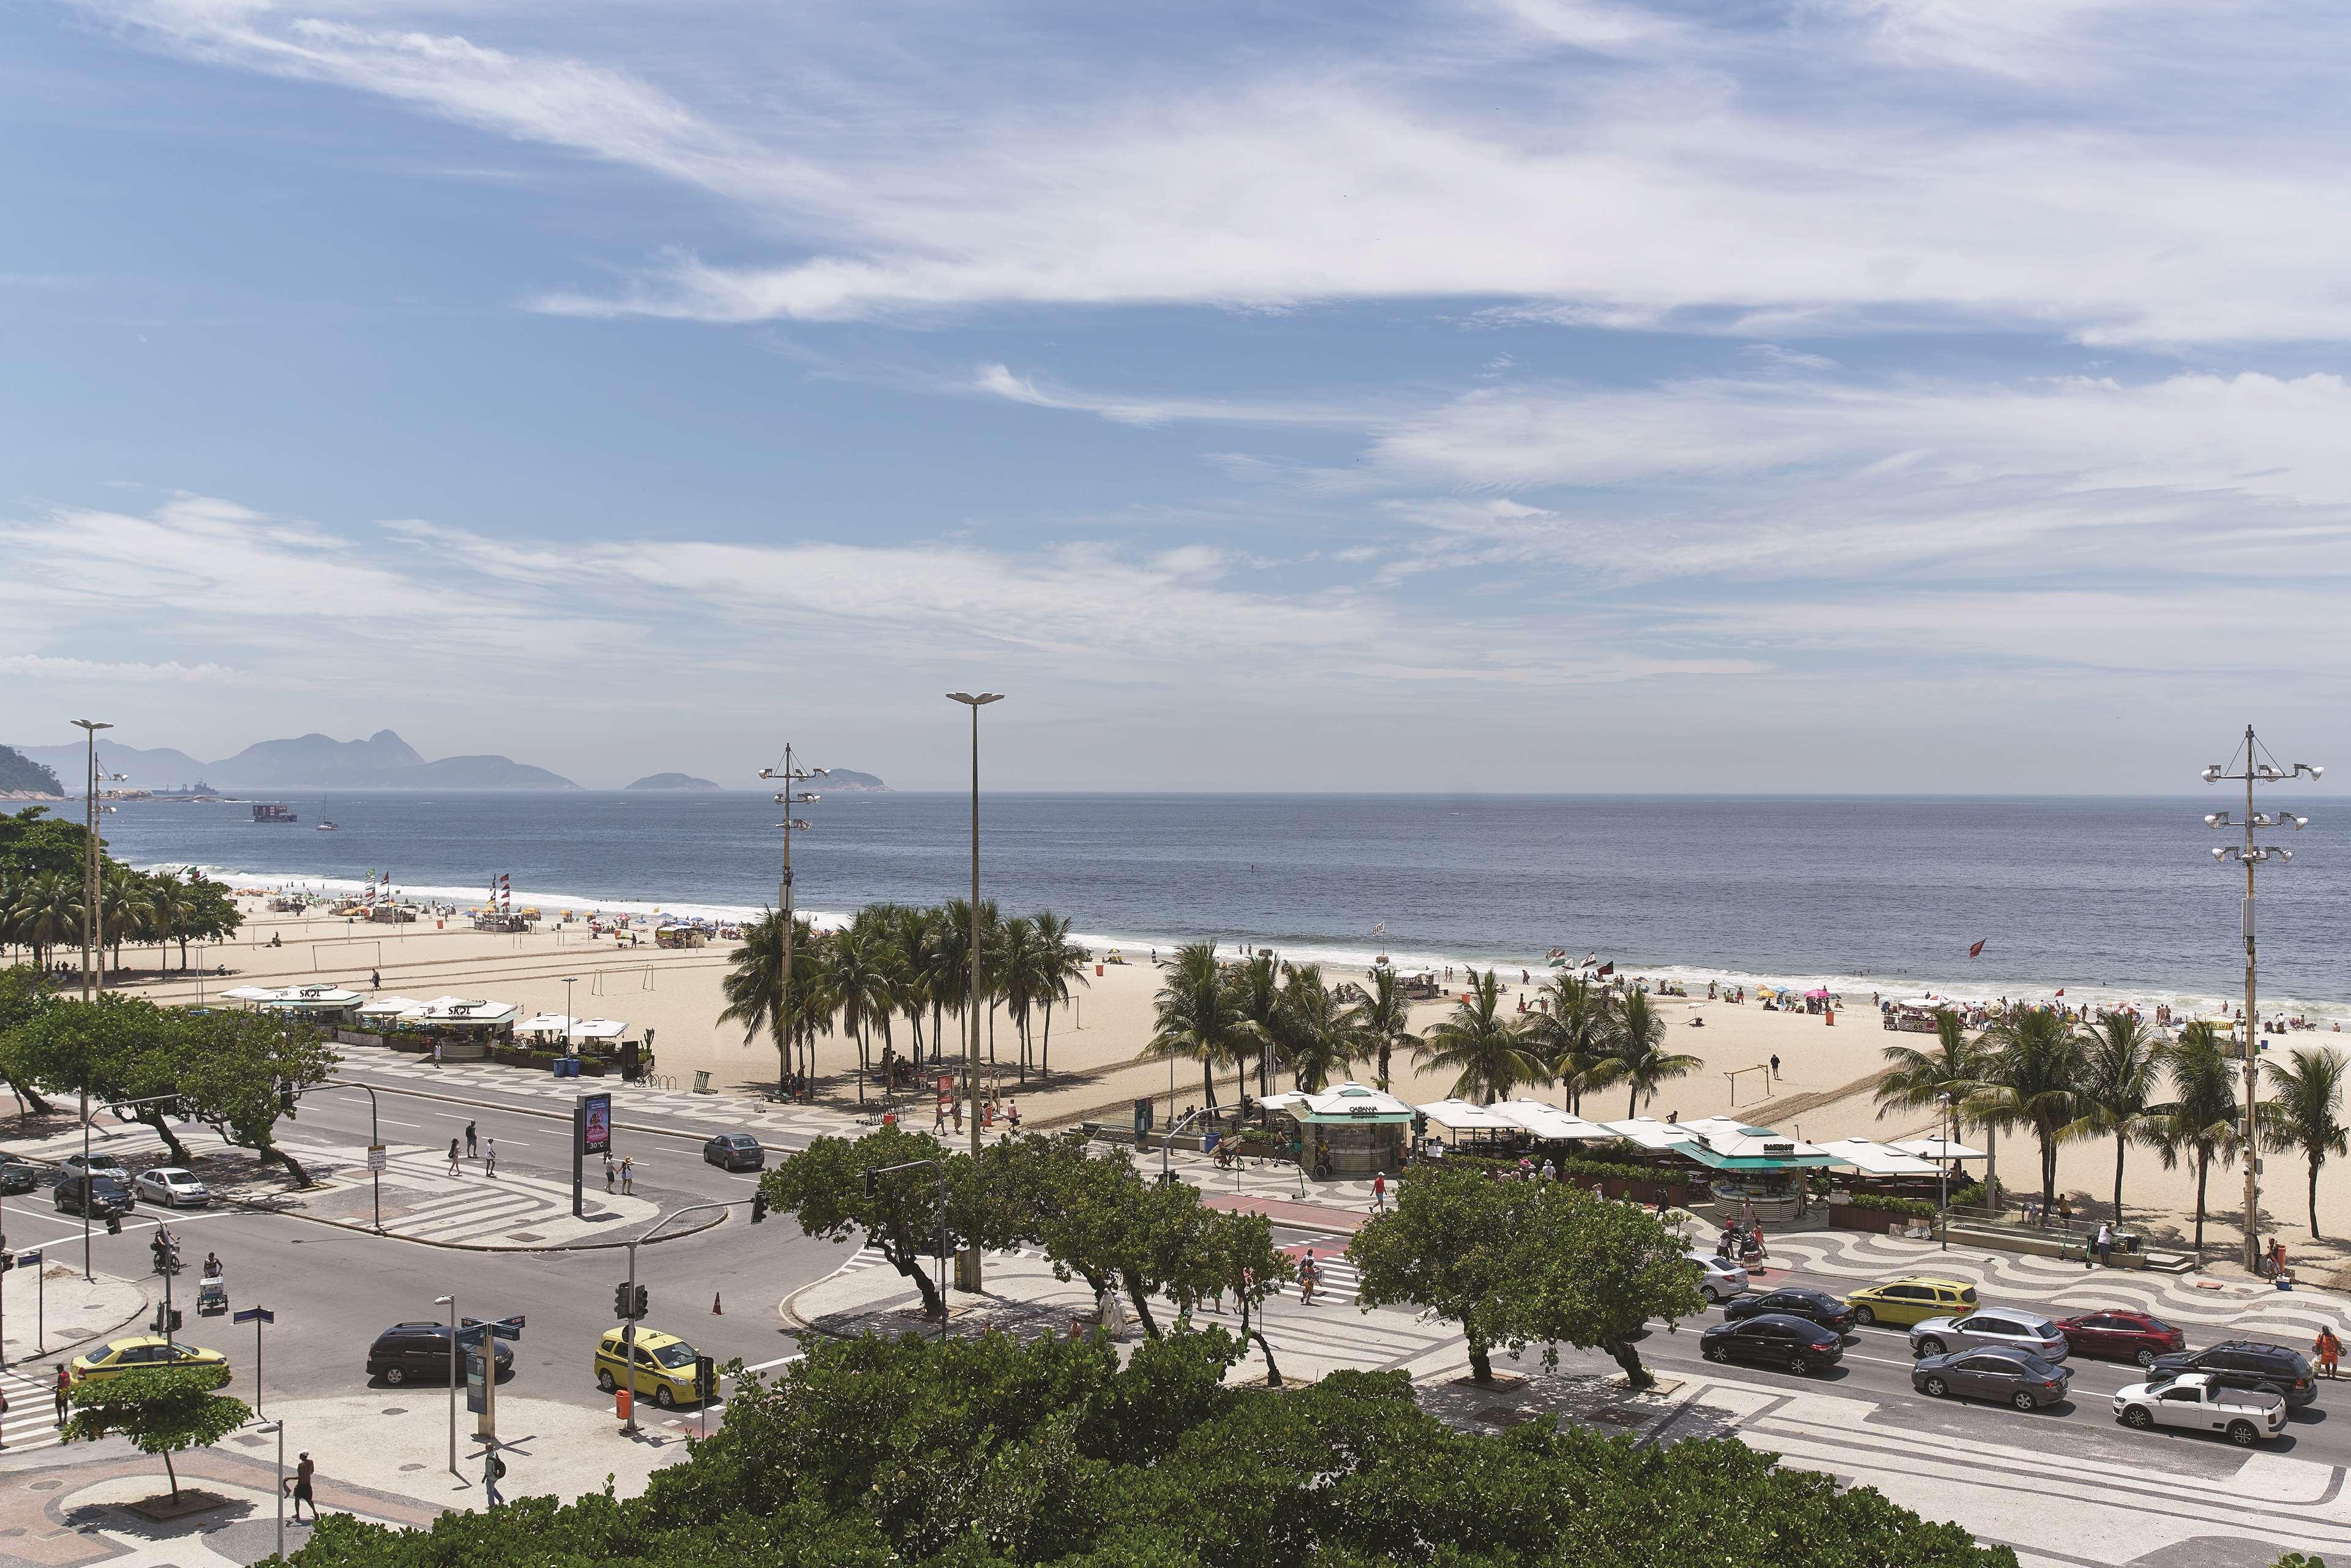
(2257, 768)
(791, 775)
(629, 1326)
(968, 1274)
(89, 933)
(568, 982)
(450, 1301)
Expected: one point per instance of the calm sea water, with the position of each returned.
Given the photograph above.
(2107, 897)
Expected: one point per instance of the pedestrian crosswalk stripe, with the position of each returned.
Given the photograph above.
(30, 1422)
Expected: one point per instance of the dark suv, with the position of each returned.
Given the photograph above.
(17, 1176)
(2246, 1363)
(96, 1195)
(736, 1152)
(418, 1352)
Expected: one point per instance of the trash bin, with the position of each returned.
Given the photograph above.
(702, 1082)
(623, 1405)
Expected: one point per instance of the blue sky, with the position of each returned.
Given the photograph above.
(1516, 394)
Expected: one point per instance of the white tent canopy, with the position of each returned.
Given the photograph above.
(1282, 1102)
(1878, 1159)
(1649, 1132)
(1551, 1123)
(1733, 1140)
(295, 998)
(460, 1010)
(388, 1006)
(1461, 1116)
(1937, 1149)
(571, 1028)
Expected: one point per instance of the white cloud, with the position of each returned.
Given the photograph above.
(60, 669)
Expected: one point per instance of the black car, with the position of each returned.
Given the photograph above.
(2246, 1363)
(1774, 1339)
(1794, 1301)
(736, 1152)
(418, 1352)
(16, 1175)
(98, 1195)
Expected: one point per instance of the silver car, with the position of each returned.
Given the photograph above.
(173, 1188)
(1719, 1281)
(1991, 1328)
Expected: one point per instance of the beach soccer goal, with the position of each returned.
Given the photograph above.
(344, 954)
(1734, 1074)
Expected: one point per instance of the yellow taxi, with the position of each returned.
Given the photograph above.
(139, 1353)
(665, 1366)
(1912, 1299)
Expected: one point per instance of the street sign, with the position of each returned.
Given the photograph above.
(254, 1315)
(507, 1328)
(376, 1158)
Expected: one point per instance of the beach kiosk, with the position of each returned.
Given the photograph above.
(1352, 1130)
(464, 1028)
(1754, 1165)
(325, 1006)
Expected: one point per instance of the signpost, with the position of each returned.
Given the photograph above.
(40, 1299)
(256, 1316)
(478, 1340)
(591, 1133)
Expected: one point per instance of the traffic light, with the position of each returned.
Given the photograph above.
(114, 1225)
(643, 1303)
(621, 1300)
(759, 1205)
(285, 1098)
(176, 1320)
(705, 1379)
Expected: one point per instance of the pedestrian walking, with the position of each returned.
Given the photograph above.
(629, 1175)
(2330, 1352)
(490, 1159)
(939, 1118)
(1379, 1195)
(608, 1173)
(1309, 1276)
(493, 1469)
(303, 1473)
(453, 1157)
(1775, 1068)
(375, 980)
(472, 1147)
(958, 1118)
(1012, 1115)
(64, 1386)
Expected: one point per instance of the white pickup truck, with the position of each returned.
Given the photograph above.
(2193, 1402)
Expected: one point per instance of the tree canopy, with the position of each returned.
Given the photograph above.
(162, 1409)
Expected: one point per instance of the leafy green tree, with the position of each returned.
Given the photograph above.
(824, 1186)
(1094, 1216)
(2120, 1071)
(24, 997)
(1446, 1248)
(33, 844)
(1480, 1044)
(2033, 1078)
(1242, 1262)
(241, 1074)
(2303, 1113)
(163, 1410)
(1637, 1057)
(2200, 1121)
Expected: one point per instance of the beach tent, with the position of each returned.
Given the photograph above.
(447, 1012)
(1648, 1132)
(248, 993)
(1352, 1104)
(384, 1010)
(1937, 1149)
(575, 1029)
(1461, 1116)
(1550, 1124)
(1288, 1101)
(321, 1001)
(1878, 1159)
(1725, 1144)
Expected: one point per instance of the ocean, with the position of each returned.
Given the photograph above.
(2112, 899)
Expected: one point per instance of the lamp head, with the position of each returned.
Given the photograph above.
(2212, 774)
(767, 773)
(2220, 851)
(2216, 818)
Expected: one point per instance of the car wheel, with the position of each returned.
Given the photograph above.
(2244, 1434)
(664, 1398)
(2145, 1358)
(1796, 1362)
(2138, 1418)
(1936, 1387)
(604, 1380)
(393, 1376)
(1930, 1345)
(1715, 1353)
(2023, 1401)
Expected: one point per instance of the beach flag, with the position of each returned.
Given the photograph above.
(1381, 929)
(1977, 951)
(2061, 990)
(1606, 969)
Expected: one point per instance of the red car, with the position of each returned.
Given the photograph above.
(2121, 1335)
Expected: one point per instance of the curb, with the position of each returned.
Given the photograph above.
(146, 1302)
(484, 1247)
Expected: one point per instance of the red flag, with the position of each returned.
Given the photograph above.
(2061, 990)
(1605, 969)
(1977, 951)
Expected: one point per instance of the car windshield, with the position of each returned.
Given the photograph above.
(674, 1356)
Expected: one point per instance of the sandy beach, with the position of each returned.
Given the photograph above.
(1823, 1092)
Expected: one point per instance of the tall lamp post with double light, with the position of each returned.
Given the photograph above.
(90, 861)
(967, 1260)
(2253, 766)
(791, 776)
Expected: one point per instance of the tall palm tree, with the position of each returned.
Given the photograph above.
(2303, 1113)
(169, 905)
(2200, 1121)
(1570, 1031)
(1060, 961)
(1255, 986)
(1481, 1044)
(1019, 977)
(910, 931)
(1950, 1075)
(2120, 1071)
(1318, 1036)
(1636, 1056)
(2033, 1078)
(46, 914)
(1384, 1019)
(754, 987)
(123, 906)
(861, 981)
(1195, 1019)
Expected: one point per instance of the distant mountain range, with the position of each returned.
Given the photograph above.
(381, 761)
(21, 774)
(680, 781)
(841, 780)
(849, 781)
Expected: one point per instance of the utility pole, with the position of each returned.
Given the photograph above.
(792, 776)
(967, 1276)
(2257, 768)
(89, 931)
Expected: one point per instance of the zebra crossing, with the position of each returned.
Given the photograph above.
(30, 1422)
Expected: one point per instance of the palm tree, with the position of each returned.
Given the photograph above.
(1196, 1020)
(754, 986)
(2301, 1113)
(1255, 988)
(861, 981)
(1636, 1056)
(1019, 977)
(168, 905)
(910, 930)
(45, 913)
(1318, 1034)
(1060, 961)
(123, 908)
(1570, 1031)
(2031, 1078)
(1481, 1044)
(1950, 1075)
(2120, 1070)
(1384, 1018)
(2200, 1121)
